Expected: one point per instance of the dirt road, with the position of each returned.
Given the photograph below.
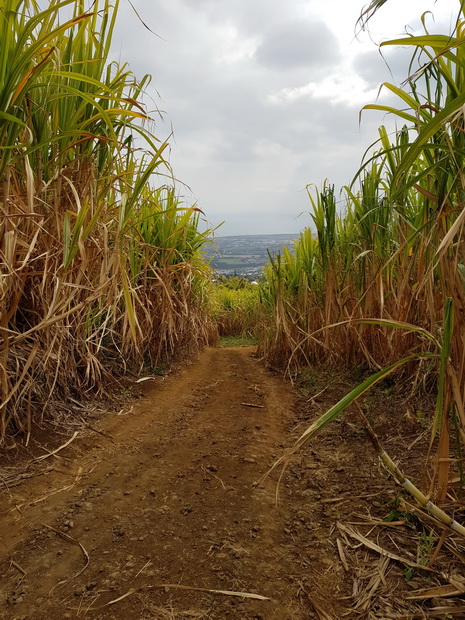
(149, 513)
(169, 499)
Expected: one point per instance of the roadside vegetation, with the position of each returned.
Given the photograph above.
(377, 281)
(235, 304)
(101, 269)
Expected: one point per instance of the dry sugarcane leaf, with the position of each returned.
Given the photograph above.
(319, 609)
(365, 593)
(112, 602)
(342, 555)
(458, 582)
(76, 542)
(438, 591)
(374, 547)
(45, 456)
(450, 611)
(376, 522)
(257, 597)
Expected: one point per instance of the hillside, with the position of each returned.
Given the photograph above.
(245, 255)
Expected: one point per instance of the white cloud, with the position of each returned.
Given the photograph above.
(338, 88)
(232, 48)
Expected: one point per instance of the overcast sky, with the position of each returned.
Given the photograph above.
(263, 96)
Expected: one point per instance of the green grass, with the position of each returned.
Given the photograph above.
(232, 261)
(237, 341)
(236, 311)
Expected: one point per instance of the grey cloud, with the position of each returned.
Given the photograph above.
(298, 44)
(249, 16)
(247, 161)
(391, 66)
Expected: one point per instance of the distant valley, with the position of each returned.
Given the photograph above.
(245, 255)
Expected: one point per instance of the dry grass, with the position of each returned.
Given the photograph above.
(100, 270)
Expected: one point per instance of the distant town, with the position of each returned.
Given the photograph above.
(245, 255)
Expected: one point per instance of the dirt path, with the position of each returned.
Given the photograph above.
(163, 496)
(170, 499)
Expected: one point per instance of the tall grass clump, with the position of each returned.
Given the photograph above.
(378, 280)
(235, 306)
(100, 264)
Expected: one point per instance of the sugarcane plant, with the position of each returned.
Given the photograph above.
(380, 281)
(100, 264)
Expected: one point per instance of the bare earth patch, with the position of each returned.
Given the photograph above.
(157, 516)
